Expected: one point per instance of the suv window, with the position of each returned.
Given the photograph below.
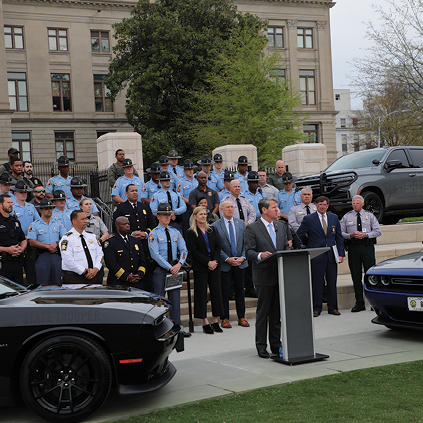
(399, 155)
(417, 156)
(356, 160)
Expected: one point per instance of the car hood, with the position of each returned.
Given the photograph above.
(406, 265)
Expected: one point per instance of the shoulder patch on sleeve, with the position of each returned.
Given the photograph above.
(64, 245)
(68, 234)
(106, 244)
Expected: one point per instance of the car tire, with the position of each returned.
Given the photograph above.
(65, 378)
(374, 204)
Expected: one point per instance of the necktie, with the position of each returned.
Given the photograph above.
(241, 213)
(87, 252)
(272, 234)
(126, 240)
(359, 228)
(169, 199)
(232, 237)
(174, 170)
(134, 206)
(169, 247)
(325, 227)
(308, 209)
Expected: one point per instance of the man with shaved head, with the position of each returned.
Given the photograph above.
(276, 178)
(124, 256)
(202, 190)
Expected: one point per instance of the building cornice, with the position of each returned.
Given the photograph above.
(121, 4)
(329, 3)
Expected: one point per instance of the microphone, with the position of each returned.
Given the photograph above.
(302, 246)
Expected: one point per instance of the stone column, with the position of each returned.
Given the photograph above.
(305, 159)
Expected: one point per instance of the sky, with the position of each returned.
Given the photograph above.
(348, 19)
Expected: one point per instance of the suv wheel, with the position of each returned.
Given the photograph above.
(373, 204)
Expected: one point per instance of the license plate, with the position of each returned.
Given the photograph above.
(415, 303)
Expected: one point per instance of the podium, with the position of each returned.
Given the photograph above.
(296, 302)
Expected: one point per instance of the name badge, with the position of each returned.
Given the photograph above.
(364, 230)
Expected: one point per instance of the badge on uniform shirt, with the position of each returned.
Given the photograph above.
(64, 245)
(136, 247)
(333, 229)
(210, 194)
(144, 211)
(90, 240)
(106, 244)
(367, 217)
(314, 208)
(137, 183)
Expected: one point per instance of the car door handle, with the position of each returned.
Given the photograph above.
(412, 175)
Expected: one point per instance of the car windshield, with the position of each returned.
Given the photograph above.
(356, 160)
(8, 287)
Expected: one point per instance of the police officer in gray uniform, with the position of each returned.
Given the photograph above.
(169, 252)
(243, 208)
(360, 229)
(43, 236)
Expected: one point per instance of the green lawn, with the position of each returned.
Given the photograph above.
(381, 394)
(412, 219)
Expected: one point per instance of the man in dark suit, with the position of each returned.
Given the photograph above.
(323, 230)
(263, 238)
(141, 222)
(124, 257)
(230, 232)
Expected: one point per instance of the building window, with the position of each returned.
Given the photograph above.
(18, 95)
(103, 102)
(64, 142)
(13, 37)
(356, 143)
(344, 143)
(307, 87)
(60, 85)
(100, 41)
(276, 74)
(22, 142)
(337, 96)
(311, 131)
(304, 38)
(57, 39)
(343, 122)
(274, 36)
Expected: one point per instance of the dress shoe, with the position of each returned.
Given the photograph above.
(216, 327)
(208, 329)
(187, 334)
(334, 312)
(263, 353)
(225, 324)
(358, 308)
(242, 322)
(316, 313)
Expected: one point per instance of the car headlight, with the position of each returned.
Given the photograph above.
(373, 280)
(386, 280)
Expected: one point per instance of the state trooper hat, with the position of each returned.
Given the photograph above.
(242, 160)
(12, 151)
(188, 164)
(163, 208)
(205, 160)
(21, 186)
(287, 177)
(253, 176)
(173, 154)
(154, 168)
(164, 176)
(127, 163)
(76, 183)
(228, 176)
(59, 195)
(62, 161)
(163, 160)
(46, 203)
(6, 179)
(218, 157)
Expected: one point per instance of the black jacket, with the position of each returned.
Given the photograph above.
(197, 248)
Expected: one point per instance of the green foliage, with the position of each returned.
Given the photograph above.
(165, 50)
(244, 104)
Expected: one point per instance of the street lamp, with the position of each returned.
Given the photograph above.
(381, 120)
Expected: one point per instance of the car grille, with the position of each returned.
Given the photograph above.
(407, 281)
(404, 315)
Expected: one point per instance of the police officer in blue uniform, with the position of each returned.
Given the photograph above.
(288, 197)
(119, 188)
(227, 178)
(252, 194)
(165, 195)
(173, 164)
(213, 182)
(169, 252)
(218, 171)
(62, 180)
(153, 185)
(188, 183)
(44, 236)
(241, 173)
(77, 188)
(124, 257)
(60, 212)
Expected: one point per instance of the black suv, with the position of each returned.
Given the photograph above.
(390, 180)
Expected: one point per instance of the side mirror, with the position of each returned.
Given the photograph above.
(376, 161)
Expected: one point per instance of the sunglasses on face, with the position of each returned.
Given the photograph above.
(40, 190)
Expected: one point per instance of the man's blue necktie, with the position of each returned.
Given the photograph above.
(272, 235)
(232, 237)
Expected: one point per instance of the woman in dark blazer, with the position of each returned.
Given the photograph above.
(203, 244)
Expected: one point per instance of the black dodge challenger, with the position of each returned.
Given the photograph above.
(63, 349)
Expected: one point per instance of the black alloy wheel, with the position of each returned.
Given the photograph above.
(65, 378)
(374, 204)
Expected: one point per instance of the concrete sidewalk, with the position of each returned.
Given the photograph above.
(224, 363)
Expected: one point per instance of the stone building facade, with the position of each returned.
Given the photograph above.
(55, 54)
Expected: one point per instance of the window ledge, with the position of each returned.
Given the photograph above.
(97, 53)
(59, 52)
